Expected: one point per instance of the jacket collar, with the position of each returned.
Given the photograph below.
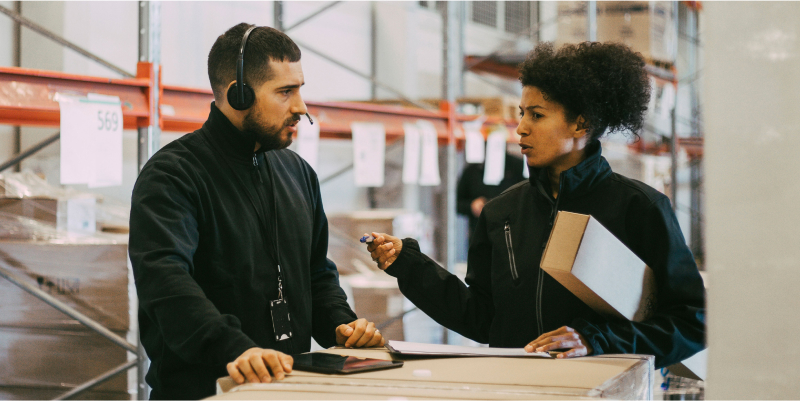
(232, 142)
(578, 180)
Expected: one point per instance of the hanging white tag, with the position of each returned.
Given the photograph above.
(91, 140)
(475, 146)
(495, 165)
(411, 153)
(369, 154)
(429, 156)
(308, 142)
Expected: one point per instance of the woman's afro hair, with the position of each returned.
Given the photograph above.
(606, 83)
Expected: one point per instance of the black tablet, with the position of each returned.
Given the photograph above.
(340, 364)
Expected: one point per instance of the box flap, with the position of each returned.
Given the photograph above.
(565, 240)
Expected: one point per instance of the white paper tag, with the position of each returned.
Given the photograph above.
(308, 142)
(429, 166)
(495, 167)
(91, 140)
(475, 147)
(411, 153)
(369, 154)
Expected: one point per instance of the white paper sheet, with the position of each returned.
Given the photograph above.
(429, 156)
(308, 141)
(411, 153)
(91, 140)
(369, 154)
(406, 348)
(495, 166)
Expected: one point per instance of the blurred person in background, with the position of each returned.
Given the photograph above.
(472, 193)
(571, 97)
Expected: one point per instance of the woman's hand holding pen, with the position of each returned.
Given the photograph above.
(563, 338)
(384, 249)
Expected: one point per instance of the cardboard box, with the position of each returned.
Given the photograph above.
(484, 378)
(42, 209)
(647, 27)
(378, 300)
(74, 214)
(91, 278)
(57, 357)
(598, 268)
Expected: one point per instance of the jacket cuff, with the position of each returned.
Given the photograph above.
(237, 343)
(408, 254)
(592, 335)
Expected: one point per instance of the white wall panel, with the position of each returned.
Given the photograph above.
(752, 78)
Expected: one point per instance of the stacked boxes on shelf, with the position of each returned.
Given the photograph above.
(43, 352)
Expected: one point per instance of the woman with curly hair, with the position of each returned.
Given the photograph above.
(570, 98)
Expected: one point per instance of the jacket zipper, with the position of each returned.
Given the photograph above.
(255, 167)
(509, 244)
(540, 278)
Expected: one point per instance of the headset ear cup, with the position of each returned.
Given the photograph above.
(233, 98)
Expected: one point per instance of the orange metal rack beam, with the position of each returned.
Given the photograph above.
(28, 97)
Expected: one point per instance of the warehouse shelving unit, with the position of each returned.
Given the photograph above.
(28, 97)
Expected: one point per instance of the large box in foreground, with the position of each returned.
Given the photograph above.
(598, 268)
(618, 377)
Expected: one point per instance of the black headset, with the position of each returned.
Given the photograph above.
(241, 95)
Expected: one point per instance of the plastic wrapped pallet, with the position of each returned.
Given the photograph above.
(43, 352)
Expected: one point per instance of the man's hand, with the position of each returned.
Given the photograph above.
(563, 338)
(358, 334)
(384, 249)
(255, 365)
(477, 206)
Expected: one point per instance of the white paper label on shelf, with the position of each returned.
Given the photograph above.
(429, 161)
(495, 167)
(369, 154)
(411, 154)
(475, 146)
(308, 141)
(91, 140)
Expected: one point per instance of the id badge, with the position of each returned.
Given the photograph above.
(281, 321)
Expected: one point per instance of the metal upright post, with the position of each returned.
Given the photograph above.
(149, 137)
(453, 59)
(150, 52)
(674, 138)
(17, 62)
(373, 52)
(591, 21)
(277, 15)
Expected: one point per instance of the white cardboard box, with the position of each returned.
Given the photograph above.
(598, 268)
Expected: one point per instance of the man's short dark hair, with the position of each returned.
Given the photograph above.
(265, 44)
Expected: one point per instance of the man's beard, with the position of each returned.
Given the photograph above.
(269, 136)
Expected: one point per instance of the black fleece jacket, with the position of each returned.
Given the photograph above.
(510, 300)
(203, 248)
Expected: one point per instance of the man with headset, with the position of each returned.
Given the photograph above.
(228, 235)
